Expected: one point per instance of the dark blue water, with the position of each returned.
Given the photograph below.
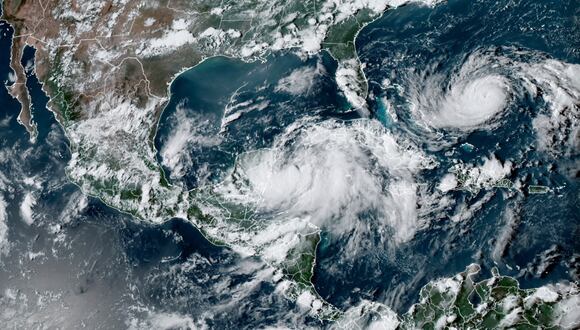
(103, 267)
(108, 268)
(412, 38)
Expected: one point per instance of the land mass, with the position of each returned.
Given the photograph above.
(107, 66)
(461, 302)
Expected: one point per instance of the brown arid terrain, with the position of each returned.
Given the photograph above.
(106, 68)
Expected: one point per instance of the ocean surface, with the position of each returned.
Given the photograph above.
(73, 260)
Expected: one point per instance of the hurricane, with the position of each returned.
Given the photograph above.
(482, 90)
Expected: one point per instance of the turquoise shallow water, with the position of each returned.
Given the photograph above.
(411, 39)
(205, 92)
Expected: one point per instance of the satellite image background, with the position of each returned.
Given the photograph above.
(289, 164)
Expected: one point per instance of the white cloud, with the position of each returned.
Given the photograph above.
(351, 82)
(4, 243)
(163, 321)
(368, 315)
(480, 91)
(172, 39)
(448, 182)
(476, 177)
(300, 81)
(567, 312)
(473, 97)
(331, 172)
(234, 110)
(26, 208)
(187, 132)
(557, 128)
